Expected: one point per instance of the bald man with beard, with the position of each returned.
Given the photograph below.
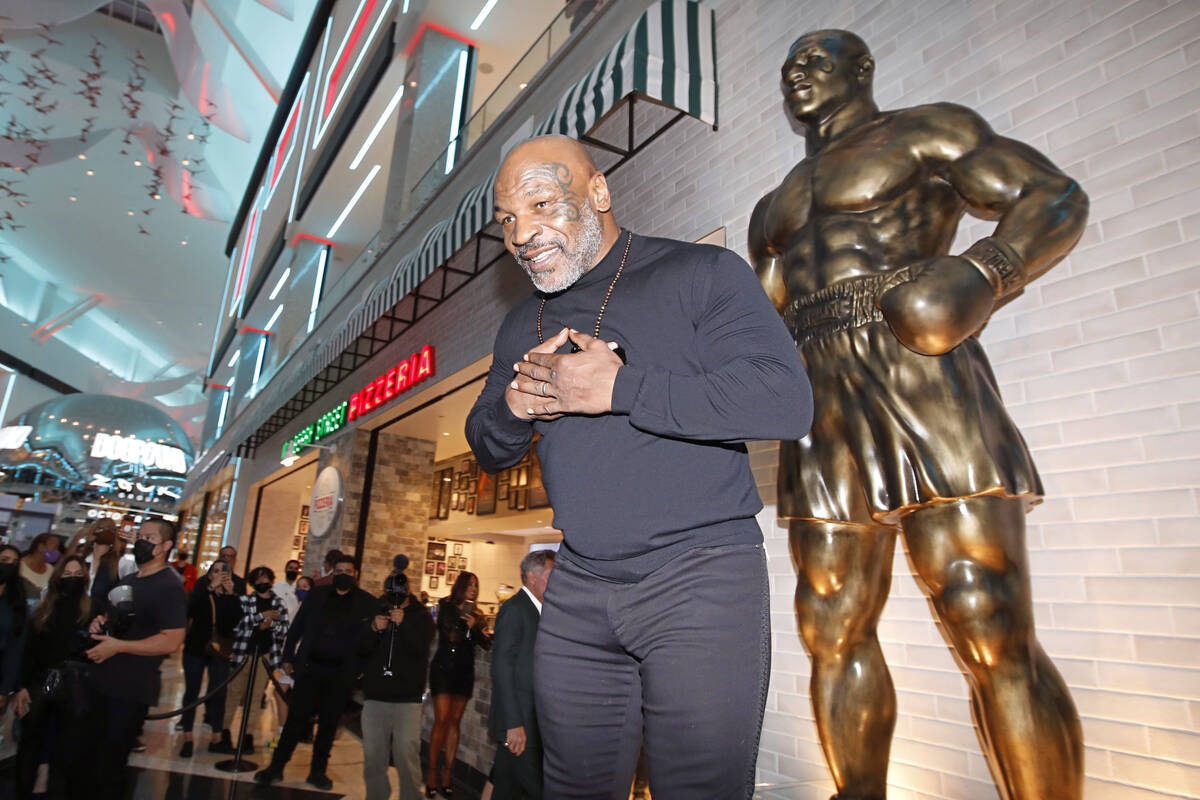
(645, 365)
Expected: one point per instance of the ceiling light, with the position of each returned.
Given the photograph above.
(137, 162)
(412, 84)
(158, 322)
(183, 242)
(483, 13)
(456, 111)
(130, 212)
(191, 136)
(522, 85)
(73, 198)
(156, 196)
(279, 285)
(90, 172)
(379, 123)
(362, 188)
(82, 156)
(185, 162)
(235, 357)
(274, 318)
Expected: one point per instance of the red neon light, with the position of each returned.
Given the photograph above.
(217, 386)
(257, 330)
(395, 381)
(412, 45)
(296, 240)
(169, 20)
(237, 295)
(287, 137)
(185, 186)
(335, 74)
(205, 103)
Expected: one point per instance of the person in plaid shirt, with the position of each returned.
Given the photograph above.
(263, 629)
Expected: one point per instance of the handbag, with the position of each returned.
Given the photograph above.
(219, 646)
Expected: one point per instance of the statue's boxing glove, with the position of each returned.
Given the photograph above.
(946, 300)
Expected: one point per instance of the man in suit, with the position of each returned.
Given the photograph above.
(513, 721)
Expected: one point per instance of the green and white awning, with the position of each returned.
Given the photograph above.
(669, 55)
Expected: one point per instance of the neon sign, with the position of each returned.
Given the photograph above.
(133, 450)
(397, 380)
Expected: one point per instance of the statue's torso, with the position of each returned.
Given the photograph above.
(863, 205)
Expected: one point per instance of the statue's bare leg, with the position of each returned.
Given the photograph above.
(843, 575)
(971, 556)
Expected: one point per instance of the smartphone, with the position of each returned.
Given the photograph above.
(468, 607)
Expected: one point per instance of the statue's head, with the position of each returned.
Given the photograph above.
(554, 207)
(824, 70)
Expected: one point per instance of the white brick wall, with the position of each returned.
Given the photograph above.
(1098, 361)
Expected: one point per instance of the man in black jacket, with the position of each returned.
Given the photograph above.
(321, 654)
(396, 649)
(513, 721)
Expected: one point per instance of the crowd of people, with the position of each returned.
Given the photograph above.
(80, 659)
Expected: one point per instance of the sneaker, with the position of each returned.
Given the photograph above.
(320, 780)
(222, 745)
(139, 746)
(186, 750)
(267, 776)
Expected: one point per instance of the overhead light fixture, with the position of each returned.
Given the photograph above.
(137, 162)
(279, 285)
(237, 354)
(191, 137)
(183, 243)
(185, 162)
(383, 118)
(82, 156)
(156, 196)
(291, 452)
(130, 212)
(318, 284)
(274, 318)
(3, 294)
(262, 352)
(73, 198)
(456, 113)
(522, 85)
(362, 187)
(483, 13)
(90, 172)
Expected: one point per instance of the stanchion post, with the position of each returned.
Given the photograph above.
(236, 764)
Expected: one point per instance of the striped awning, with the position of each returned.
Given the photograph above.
(668, 55)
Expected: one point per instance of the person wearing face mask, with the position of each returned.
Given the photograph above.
(38, 562)
(304, 585)
(286, 588)
(52, 678)
(261, 631)
(320, 655)
(324, 577)
(13, 627)
(186, 569)
(124, 680)
(228, 554)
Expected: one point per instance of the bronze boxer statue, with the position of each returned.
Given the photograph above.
(910, 434)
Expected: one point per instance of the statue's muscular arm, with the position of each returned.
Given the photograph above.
(1041, 214)
(1041, 211)
(766, 260)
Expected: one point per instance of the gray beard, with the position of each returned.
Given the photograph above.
(577, 261)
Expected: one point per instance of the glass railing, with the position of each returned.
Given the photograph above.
(572, 17)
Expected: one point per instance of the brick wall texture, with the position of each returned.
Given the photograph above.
(1098, 360)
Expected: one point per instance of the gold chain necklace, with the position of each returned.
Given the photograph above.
(603, 306)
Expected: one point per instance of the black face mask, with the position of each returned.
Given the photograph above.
(72, 587)
(342, 581)
(7, 572)
(291, 575)
(143, 551)
(262, 588)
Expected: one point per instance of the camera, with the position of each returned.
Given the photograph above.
(395, 591)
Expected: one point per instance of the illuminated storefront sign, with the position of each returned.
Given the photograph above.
(133, 450)
(128, 487)
(14, 436)
(386, 387)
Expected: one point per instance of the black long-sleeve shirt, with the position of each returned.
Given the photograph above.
(710, 366)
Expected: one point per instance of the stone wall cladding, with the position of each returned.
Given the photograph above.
(1098, 361)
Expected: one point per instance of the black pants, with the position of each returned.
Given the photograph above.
(328, 690)
(46, 737)
(681, 657)
(518, 777)
(194, 665)
(110, 730)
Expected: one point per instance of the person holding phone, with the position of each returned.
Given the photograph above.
(262, 631)
(452, 676)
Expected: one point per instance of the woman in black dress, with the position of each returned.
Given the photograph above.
(452, 676)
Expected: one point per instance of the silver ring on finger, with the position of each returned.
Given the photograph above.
(545, 386)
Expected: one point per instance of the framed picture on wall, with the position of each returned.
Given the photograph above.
(429, 567)
(522, 499)
(502, 488)
(451, 577)
(537, 497)
(443, 482)
(471, 504)
(433, 582)
(441, 568)
(296, 542)
(458, 548)
(435, 551)
(304, 527)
